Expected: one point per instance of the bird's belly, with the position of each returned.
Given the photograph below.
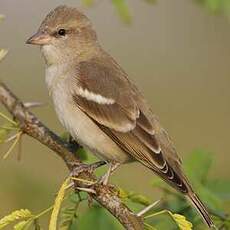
(84, 130)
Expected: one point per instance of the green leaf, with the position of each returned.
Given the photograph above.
(69, 214)
(123, 10)
(15, 216)
(23, 225)
(138, 198)
(198, 164)
(216, 6)
(97, 218)
(82, 154)
(181, 221)
(213, 5)
(57, 205)
(122, 193)
(68, 217)
(134, 197)
(87, 3)
(210, 198)
(148, 227)
(220, 187)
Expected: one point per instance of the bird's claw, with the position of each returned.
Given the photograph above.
(82, 177)
(105, 178)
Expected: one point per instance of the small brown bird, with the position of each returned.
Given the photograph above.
(100, 107)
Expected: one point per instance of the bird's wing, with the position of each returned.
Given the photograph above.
(105, 94)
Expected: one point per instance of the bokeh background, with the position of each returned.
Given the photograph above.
(176, 51)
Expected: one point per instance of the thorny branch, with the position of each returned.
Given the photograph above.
(29, 124)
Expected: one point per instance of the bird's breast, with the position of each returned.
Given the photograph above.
(79, 125)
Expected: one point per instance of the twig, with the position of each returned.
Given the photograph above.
(29, 124)
(17, 138)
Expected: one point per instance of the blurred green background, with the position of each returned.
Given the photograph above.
(177, 52)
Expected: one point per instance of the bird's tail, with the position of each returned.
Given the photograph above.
(200, 207)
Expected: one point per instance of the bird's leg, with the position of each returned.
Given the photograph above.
(73, 144)
(97, 164)
(112, 167)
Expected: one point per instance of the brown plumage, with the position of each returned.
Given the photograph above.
(93, 94)
(147, 142)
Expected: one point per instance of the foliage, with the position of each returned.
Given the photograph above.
(133, 197)
(72, 216)
(123, 10)
(216, 6)
(9, 126)
(197, 167)
(180, 220)
(23, 219)
(57, 205)
(14, 216)
(9, 132)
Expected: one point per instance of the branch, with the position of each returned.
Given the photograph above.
(29, 124)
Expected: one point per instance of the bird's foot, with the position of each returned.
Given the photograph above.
(105, 178)
(82, 177)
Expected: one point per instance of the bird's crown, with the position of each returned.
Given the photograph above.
(64, 15)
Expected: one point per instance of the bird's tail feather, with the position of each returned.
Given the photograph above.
(200, 207)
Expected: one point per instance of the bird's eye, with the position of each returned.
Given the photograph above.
(62, 32)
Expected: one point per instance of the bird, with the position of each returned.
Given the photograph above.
(99, 105)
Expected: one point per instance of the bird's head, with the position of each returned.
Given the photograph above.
(64, 33)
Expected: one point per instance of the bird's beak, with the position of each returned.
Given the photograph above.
(40, 38)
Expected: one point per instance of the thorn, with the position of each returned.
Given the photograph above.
(83, 180)
(33, 104)
(146, 209)
(105, 178)
(11, 138)
(88, 190)
(70, 185)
